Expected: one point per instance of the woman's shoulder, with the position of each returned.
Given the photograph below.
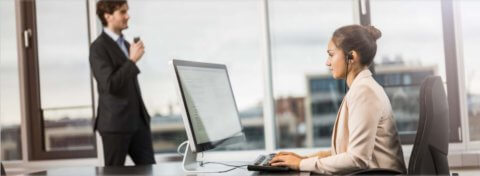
(366, 88)
(369, 96)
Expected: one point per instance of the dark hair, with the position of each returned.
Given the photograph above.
(361, 39)
(108, 6)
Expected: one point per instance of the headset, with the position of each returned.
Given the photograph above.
(348, 57)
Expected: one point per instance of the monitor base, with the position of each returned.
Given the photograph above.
(191, 165)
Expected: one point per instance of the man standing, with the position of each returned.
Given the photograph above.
(122, 119)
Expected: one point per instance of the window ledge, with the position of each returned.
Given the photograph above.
(462, 159)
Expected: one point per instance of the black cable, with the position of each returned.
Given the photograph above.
(225, 164)
(346, 77)
(227, 170)
(346, 74)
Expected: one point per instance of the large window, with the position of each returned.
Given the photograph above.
(410, 49)
(471, 43)
(215, 31)
(57, 78)
(9, 85)
(64, 74)
(306, 98)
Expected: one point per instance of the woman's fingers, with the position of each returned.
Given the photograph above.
(277, 159)
(279, 164)
(285, 153)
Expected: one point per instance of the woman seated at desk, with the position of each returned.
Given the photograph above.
(364, 134)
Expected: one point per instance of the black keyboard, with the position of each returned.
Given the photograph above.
(262, 164)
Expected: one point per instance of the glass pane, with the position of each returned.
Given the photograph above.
(471, 44)
(215, 31)
(306, 96)
(406, 55)
(64, 74)
(70, 130)
(11, 148)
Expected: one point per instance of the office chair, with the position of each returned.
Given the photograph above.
(3, 170)
(430, 150)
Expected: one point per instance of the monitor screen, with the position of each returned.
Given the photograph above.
(208, 103)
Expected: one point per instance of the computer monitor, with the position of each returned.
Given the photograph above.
(208, 108)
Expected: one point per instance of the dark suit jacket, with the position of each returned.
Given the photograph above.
(120, 105)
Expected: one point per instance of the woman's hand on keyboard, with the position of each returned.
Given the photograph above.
(291, 160)
(291, 153)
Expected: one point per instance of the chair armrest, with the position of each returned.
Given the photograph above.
(376, 171)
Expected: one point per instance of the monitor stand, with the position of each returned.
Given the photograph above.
(191, 165)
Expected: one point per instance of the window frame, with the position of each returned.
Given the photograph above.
(453, 89)
(30, 90)
(466, 144)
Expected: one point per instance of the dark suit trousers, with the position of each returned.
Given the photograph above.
(138, 145)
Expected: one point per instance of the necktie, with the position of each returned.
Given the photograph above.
(121, 44)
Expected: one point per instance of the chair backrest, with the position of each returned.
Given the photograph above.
(430, 150)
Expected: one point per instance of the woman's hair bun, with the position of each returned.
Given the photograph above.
(374, 32)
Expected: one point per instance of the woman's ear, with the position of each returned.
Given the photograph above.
(354, 55)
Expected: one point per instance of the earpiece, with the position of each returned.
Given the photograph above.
(349, 56)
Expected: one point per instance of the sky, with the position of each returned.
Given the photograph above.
(9, 93)
(227, 32)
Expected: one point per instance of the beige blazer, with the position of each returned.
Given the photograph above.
(364, 135)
